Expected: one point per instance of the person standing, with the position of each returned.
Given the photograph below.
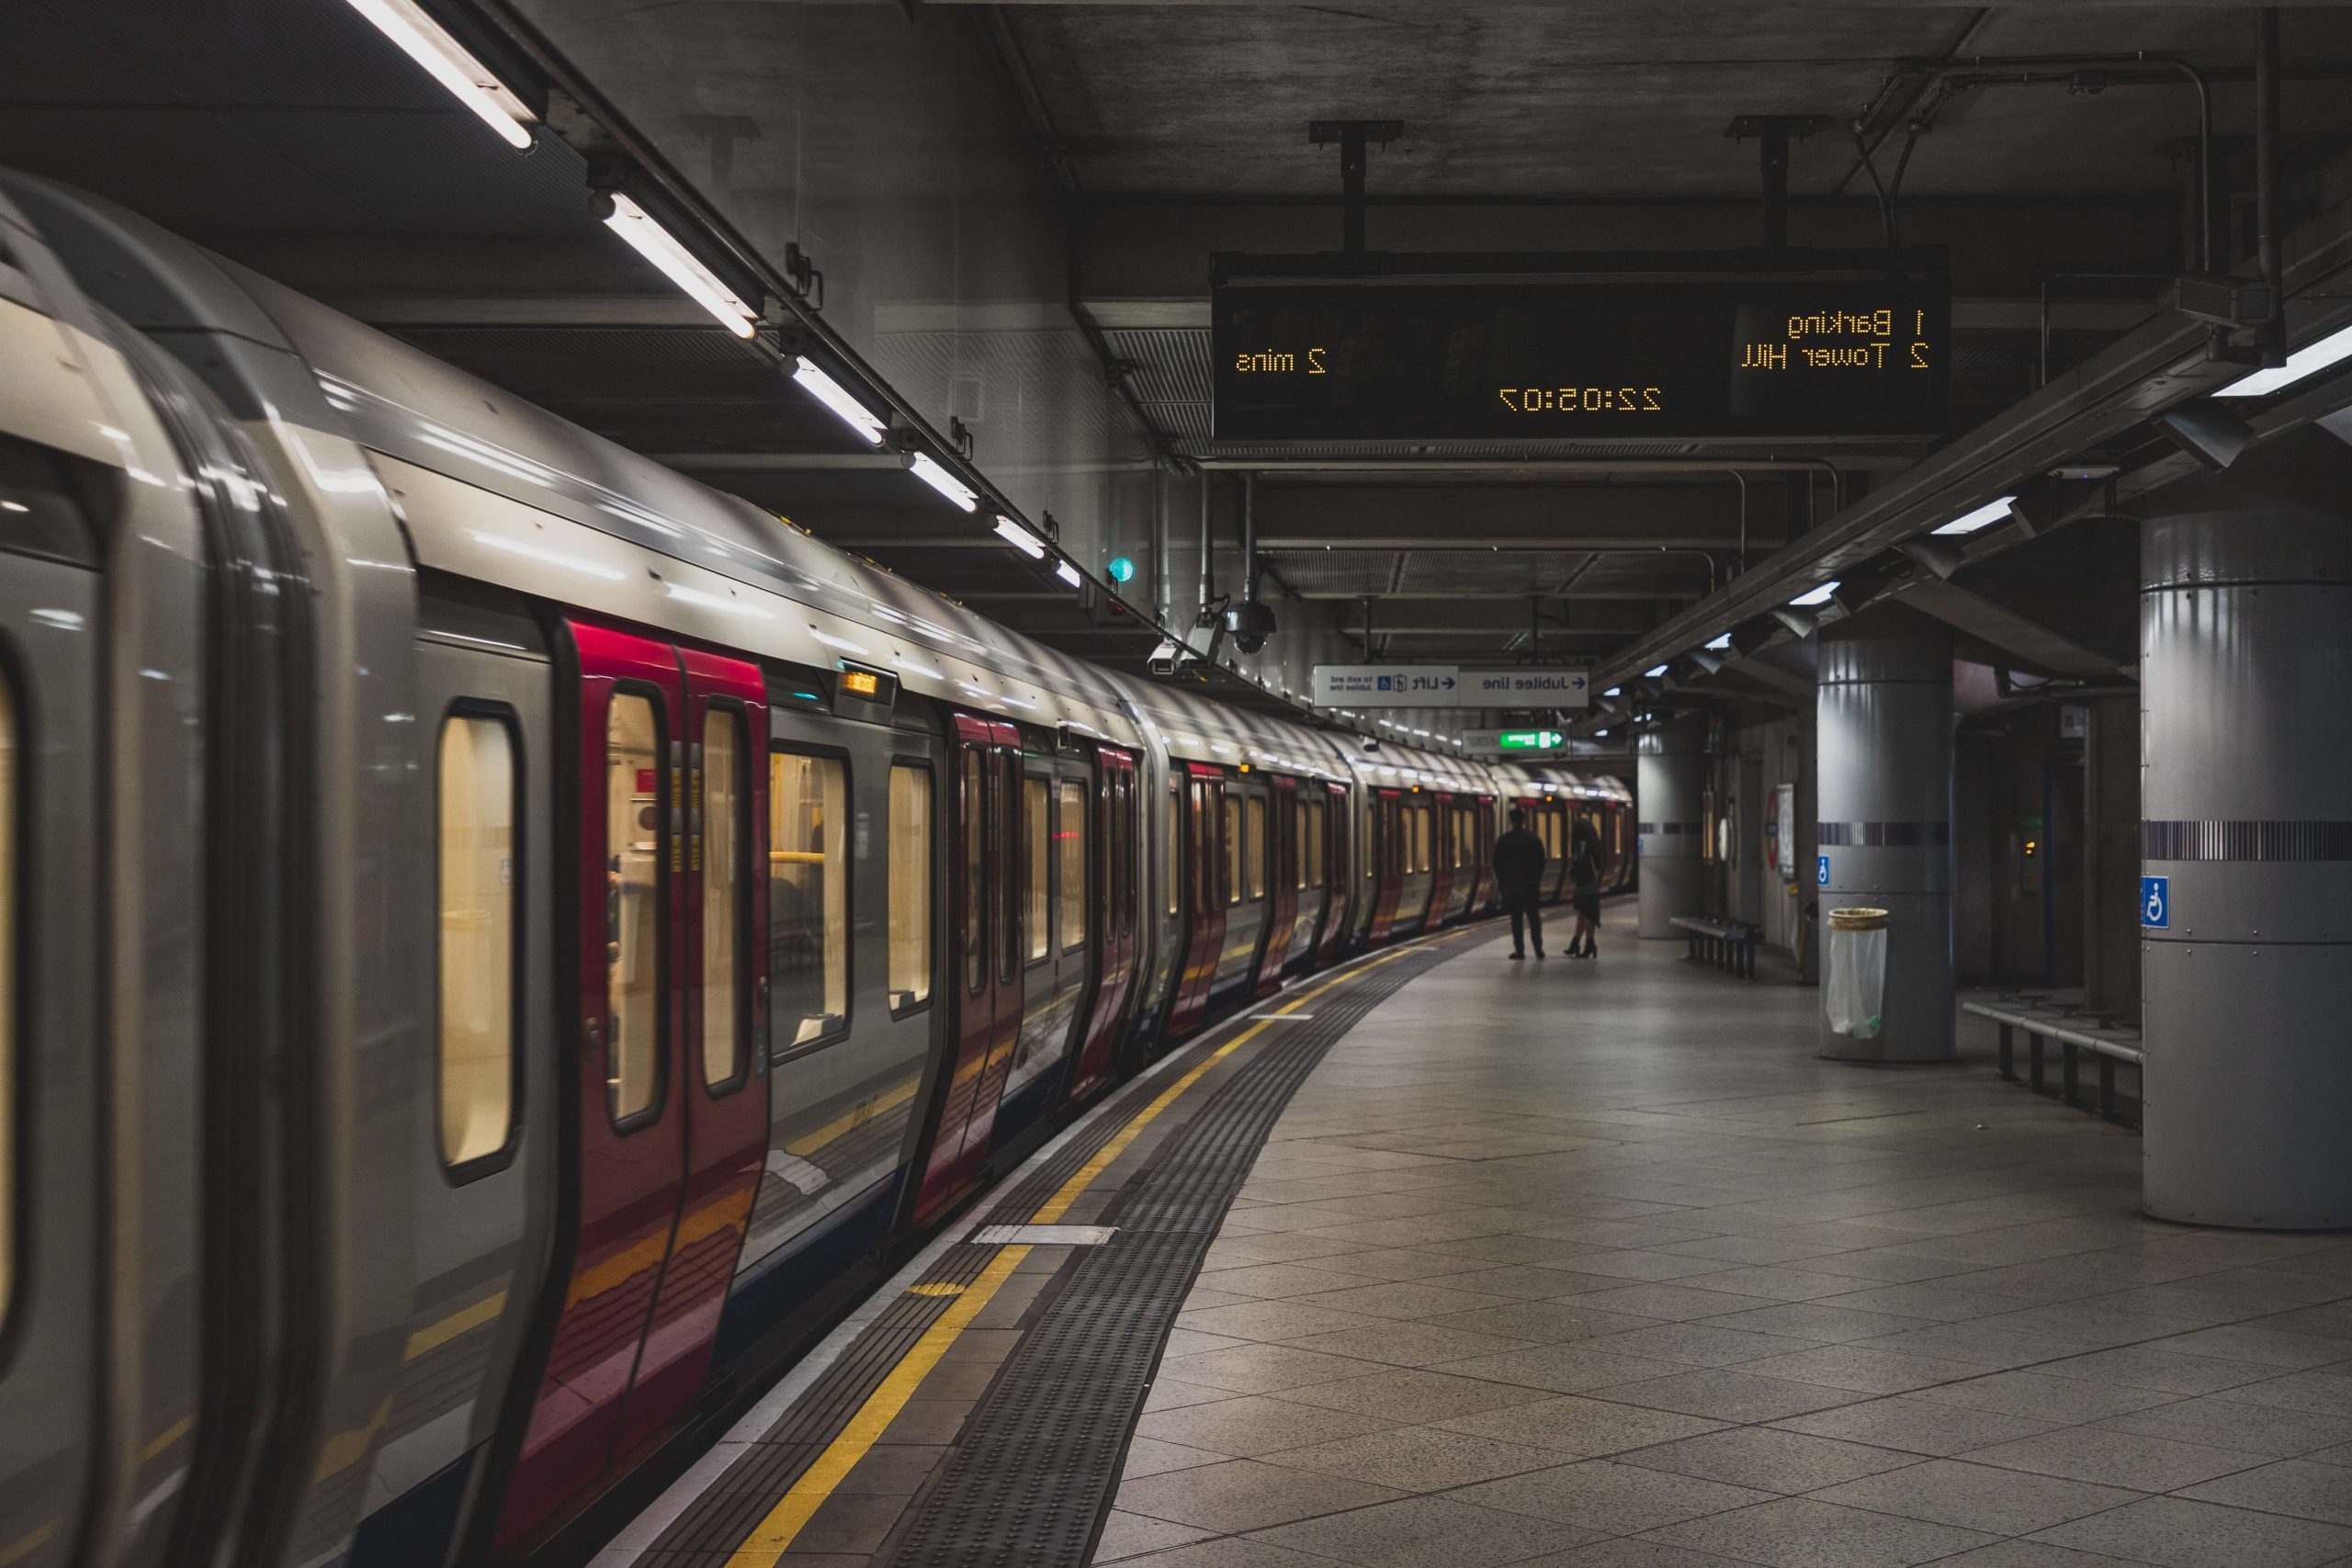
(1519, 880)
(1584, 896)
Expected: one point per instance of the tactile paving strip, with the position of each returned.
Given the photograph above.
(1030, 1481)
(728, 1511)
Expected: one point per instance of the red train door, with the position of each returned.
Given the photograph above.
(1388, 862)
(649, 1138)
(983, 954)
(1205, 855)
(724, 1041)
(1339, 880)
(1445, 852)
(1116, 836)
(1281, 825)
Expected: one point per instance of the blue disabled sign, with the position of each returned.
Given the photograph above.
(1821, 871)
(2155, 902)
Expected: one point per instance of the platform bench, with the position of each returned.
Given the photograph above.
(1729, 945)
(2042, 1027)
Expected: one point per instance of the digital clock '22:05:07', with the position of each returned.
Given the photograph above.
(1712, 355)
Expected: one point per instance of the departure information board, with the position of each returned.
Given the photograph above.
(1853, 350)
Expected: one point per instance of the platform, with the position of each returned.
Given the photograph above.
(1590, 1265)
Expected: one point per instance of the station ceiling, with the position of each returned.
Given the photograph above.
(284, 133)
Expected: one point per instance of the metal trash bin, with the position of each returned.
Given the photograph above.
(1854, 987)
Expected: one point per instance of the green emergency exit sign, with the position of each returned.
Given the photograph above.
(1529, 740)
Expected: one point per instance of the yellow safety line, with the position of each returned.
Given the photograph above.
(784, 1523)
(793, 1512)
(859, 1116)
(433, 1335)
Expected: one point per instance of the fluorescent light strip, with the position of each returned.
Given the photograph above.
(1719, 644)
(453, 65)
(946, 483)
(836, 397)
(1816, 595)
(1655, 671)
(2307, 360)
(1068, 574)
(1019, 538)
(654, 243)
(1991, 512)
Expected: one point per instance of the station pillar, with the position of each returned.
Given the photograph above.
(1884, 731)
(2245, 896)
(1670, 809)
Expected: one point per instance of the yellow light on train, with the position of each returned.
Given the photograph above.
(859, 684)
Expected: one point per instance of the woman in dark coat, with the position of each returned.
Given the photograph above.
(1584, 896)
(1518, 880)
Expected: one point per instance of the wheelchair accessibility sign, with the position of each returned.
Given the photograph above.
(2155, 902)
(1821, 871)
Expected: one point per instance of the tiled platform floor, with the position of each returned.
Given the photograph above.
(1596, 1266)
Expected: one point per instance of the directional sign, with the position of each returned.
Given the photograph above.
(2155, 902)
(1514, 740)
(1449, 686)
(1526, 686)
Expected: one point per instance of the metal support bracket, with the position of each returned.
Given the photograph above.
(1352, 135)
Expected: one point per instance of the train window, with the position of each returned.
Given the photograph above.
(1253, 846)
(1312, 855)
(1035, 809)
(1070, 844)
(1008, 825)
(476, 832)
(1233, 849)
(726, 897)
(633, 915)
(1298, 836)
(976, 857)
(1172, 872)
(1424, 819)
(910, 885)
(807, 897)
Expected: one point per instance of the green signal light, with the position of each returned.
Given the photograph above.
(1530, 740)
(1121, 568)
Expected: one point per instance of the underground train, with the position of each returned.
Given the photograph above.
(500, 944)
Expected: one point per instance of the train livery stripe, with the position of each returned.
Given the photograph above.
(798, 1505)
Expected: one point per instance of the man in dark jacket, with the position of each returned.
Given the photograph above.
(1519, 880)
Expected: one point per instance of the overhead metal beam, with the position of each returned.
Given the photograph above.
(1982, 618)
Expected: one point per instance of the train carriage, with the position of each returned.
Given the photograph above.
(679, 915)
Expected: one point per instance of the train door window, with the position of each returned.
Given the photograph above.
(726, 898)
(1036, 881)
(1423, 824)
(975, 862)
(807, 897)
(476, 834)
(909, 850)
(1173, 872)
(1232, 862)
(1298, 821)
(1007, 825)
(1070, 843)
(633, 912)
(1253, 846)
(1314, 855)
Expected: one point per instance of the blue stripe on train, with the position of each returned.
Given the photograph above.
(799, 1269)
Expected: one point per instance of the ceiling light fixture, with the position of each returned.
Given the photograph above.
(1654, 671)
(929, 472)
(1991, 512)
(2309, 360)
(1718, 643)
(1068, 574)
(1019, 538)
(835, 396)
(453, 65)
(1816, 595)
(656, 244)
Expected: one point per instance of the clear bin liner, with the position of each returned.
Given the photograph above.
(1856, 984)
